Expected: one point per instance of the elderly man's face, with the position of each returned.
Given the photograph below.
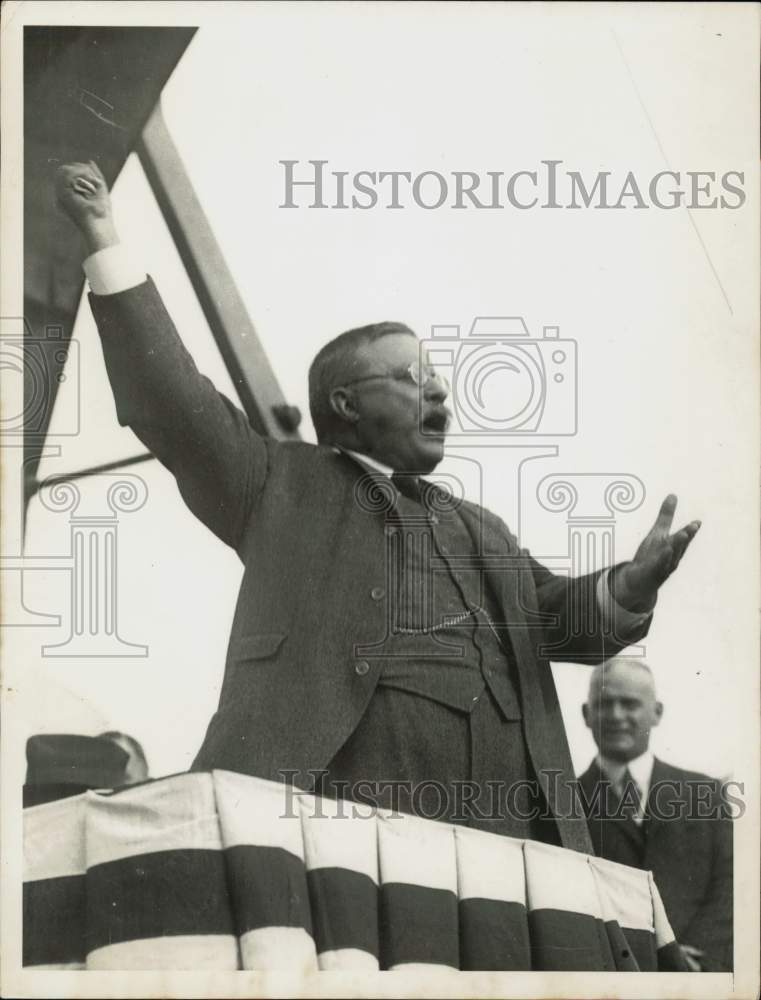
(621, 711)
(399, 423)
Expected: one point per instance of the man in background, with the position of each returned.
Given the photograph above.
(647, 814)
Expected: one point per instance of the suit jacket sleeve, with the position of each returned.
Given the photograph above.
(220, 463)
(711, 927)
(574, 629)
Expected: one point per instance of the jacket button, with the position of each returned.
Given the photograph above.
(377, 593)
(362, 668)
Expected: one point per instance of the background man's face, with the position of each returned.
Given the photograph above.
(621, 711)
(401, 424)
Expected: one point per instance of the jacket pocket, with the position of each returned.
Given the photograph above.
(260, 646)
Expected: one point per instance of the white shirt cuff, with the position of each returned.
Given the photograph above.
(614, 616)
(112, 270)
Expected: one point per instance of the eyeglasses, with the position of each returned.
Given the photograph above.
(419, 375)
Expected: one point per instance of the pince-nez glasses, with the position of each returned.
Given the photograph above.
(419, 375)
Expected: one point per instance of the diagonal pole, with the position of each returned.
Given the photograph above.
(231, 326)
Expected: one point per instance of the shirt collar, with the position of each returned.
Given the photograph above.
(371, 464)
(641, 769)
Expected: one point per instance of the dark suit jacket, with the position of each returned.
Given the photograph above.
(297, 678)
(690, 855)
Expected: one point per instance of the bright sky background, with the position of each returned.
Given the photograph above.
(668, 382)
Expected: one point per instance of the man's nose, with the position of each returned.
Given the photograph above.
(617, 711)
(436, 389)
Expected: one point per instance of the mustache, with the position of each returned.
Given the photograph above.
(437, 419)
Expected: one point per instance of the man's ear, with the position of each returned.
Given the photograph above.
(342, 403)
(657, 712)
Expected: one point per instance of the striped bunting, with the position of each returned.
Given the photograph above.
(418, 874)
(226, 871)
(565, 917)
(627, 913)
(492, 900)
(54, 902)
(264, 848)
(341, 854)
(670, 957)
(156, 887)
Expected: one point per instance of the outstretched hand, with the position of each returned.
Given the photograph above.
(82, 193)
(636, 583)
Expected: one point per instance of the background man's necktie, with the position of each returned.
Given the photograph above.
(409, 485)
(631, 796)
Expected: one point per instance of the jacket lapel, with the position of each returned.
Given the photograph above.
(542, 721)
(662, 798)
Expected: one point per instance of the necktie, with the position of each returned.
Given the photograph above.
(631, 797)
(409, 485)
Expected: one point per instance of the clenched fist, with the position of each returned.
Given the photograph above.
(82, 193)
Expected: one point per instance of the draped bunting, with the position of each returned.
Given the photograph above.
(225, 871)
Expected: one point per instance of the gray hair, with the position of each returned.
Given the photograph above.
(627, 662)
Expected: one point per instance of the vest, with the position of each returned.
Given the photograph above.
(440, 643)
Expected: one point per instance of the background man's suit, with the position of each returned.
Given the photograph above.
(295, 684)
(689, 856)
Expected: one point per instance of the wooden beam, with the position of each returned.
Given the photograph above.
(228, 319)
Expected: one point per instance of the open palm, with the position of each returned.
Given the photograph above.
(656, 558)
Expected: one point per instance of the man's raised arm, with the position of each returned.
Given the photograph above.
(196, 432)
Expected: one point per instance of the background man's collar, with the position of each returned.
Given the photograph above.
(641, 768)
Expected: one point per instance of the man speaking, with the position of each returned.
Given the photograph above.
(383, 652)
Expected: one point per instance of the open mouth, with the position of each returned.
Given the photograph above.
(436, 422)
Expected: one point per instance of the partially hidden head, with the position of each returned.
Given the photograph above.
(136, 769)
(622, 708)
(371, 391)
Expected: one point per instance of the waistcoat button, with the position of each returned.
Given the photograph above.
(377, 593)
(362, 668)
